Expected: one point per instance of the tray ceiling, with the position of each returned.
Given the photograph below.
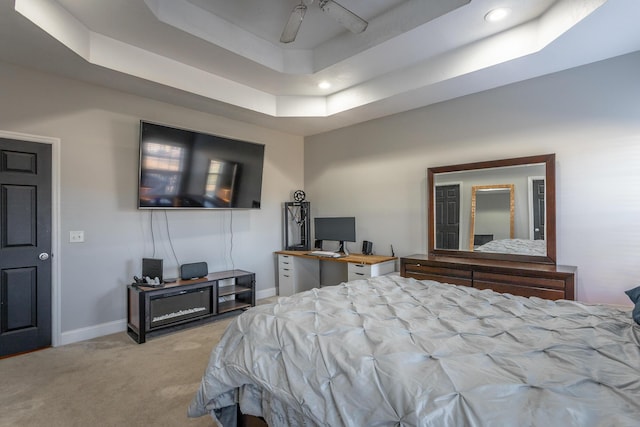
(225, 57)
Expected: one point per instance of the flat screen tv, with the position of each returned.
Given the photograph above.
(185, 169)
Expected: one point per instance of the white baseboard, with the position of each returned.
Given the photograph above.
(266, 293)
(93, 332)
(121, 325)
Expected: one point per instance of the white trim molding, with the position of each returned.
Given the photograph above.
(90, 332)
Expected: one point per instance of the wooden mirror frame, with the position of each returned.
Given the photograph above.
(512, 206)
(549, 160)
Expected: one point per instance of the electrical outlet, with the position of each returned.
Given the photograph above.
(76, 236)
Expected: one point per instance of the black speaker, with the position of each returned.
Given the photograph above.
(152, 267)
(367, 247)
(193, 270)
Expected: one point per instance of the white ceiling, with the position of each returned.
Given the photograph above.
(224, 57)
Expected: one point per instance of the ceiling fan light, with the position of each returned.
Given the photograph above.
(348, 19)
(293, 24)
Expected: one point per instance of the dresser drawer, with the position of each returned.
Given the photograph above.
(358, 271)
(285, 261)
(439, 274)
(362, 271)
(524, 279)
(286, 284)
(512, 279)
(526, 286)
(523, 291)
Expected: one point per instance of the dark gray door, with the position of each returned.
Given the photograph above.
(447, 213)
(25, 246)
(538, 209)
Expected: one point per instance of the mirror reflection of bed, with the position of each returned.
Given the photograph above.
(505, 198)
(493, 220)
(514, 247)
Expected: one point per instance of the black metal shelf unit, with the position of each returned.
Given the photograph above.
(297, 226)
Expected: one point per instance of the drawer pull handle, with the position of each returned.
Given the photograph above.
(360, 274)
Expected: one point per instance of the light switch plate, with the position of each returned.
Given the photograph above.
(76, 236)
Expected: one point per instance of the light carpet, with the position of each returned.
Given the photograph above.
(109, 381)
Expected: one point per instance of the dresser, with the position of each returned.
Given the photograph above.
(517, 278)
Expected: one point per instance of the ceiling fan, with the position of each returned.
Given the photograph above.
(350, 20)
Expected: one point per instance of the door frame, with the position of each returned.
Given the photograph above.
(56, 299)
(530, 180)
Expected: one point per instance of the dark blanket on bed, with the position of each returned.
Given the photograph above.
(391, 351)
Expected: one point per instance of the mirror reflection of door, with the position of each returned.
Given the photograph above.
(492, 213)
(538, 209)
(447, 216)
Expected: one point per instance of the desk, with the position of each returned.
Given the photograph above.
(299, 271)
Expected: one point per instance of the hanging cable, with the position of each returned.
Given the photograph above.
(166, 221)
(233, 267)
(153, 239)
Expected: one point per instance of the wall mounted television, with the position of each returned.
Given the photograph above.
(185, 169)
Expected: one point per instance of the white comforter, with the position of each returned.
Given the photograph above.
(515, 246)
(391, 351)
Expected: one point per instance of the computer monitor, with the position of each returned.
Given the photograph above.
(339, 229)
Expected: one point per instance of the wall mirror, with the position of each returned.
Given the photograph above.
(492, 214)
(501, 209)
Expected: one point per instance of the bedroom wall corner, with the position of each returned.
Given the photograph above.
(589, 116)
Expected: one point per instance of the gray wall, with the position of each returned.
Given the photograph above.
(588, 116)
(98, 129)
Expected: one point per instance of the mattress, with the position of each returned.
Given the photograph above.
(394, 351)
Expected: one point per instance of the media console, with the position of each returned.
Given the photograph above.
(185, 303)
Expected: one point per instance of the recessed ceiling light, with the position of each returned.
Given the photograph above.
(324, 85)
(498, 14)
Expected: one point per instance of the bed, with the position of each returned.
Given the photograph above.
(394, 351)
(515, 246)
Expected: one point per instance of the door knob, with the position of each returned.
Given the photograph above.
(43, 256)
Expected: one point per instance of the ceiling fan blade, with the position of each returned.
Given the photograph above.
(350, 20)
(293, 24)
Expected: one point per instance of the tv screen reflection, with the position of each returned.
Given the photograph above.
(185, 169)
